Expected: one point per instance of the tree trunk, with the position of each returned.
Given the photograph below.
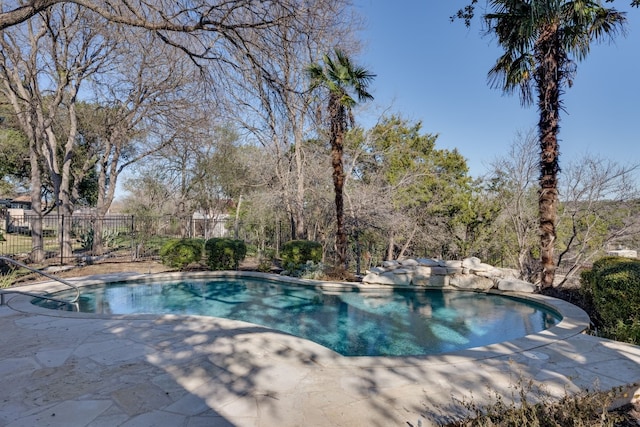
(292, 226)
(338, 183)
(97, 245)
(64, 198)
(548, 54)
(301, 226)
(338, 124)
(408, 242)
(37, 240)
(236, 225)
(65, 227)
(391, 247)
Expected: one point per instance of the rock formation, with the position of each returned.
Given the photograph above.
(469, 274)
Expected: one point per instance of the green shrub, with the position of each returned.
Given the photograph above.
(265, 260)
(225, 254)
(296, 253)
(612, 286)
(252, 250)
(179, 253)
(86, 239)
(308, 270)
(8, 279)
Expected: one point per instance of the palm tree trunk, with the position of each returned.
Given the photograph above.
(337, 113)
(548, 54)
(338, 185)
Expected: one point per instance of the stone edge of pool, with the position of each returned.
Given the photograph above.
(574, 320)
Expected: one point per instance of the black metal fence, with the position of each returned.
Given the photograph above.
(124, 236)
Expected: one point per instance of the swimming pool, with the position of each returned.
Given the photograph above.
(351, 322)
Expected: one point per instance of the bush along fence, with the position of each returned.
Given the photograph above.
(122, 237)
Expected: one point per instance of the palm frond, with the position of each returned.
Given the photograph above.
(514, 73)
(316, 75)
(585, 21)
(608, 22)
(340, 76)
(519, 24)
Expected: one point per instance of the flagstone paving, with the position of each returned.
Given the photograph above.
(70, 369)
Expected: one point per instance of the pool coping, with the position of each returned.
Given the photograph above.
(574, 320)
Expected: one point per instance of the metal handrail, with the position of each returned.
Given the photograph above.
(42, 273)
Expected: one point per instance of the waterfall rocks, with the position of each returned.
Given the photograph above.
(468, 274)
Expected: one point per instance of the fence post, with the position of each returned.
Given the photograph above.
(131, 236)
(61, 236)
(278, 237)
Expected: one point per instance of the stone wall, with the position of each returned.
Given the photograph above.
(469, 274)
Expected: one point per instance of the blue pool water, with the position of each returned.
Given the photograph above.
(389, 323)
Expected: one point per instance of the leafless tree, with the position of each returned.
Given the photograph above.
(269, 91)
(212, 36)
(169, 18)
(147, 193)
(598, 202)
(204, 173)
(148, 99)
(598, 210)
(42, 66)
(513, 183)
(369, 196)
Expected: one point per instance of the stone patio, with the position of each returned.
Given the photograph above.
(72, 369)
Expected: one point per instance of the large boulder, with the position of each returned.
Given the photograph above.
(470, 282)
(400, 277)
(493, 273)
(377, 279)
(474, 266)
(452, 264)
(421, 272)
(428, 262)
(431, 281)
(471, 262)
(439, 271)
(391, 264)
(516, 285)
(468, 274)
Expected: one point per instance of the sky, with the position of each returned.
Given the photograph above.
(431, 70)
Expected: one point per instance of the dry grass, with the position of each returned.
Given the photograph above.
(142, 267)
(531, 405)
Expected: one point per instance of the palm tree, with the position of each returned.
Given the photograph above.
(341, 79)
(541, 42)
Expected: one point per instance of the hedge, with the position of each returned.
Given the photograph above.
(613, 287)
(179, 253)
(225, 254)
(294, 253)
